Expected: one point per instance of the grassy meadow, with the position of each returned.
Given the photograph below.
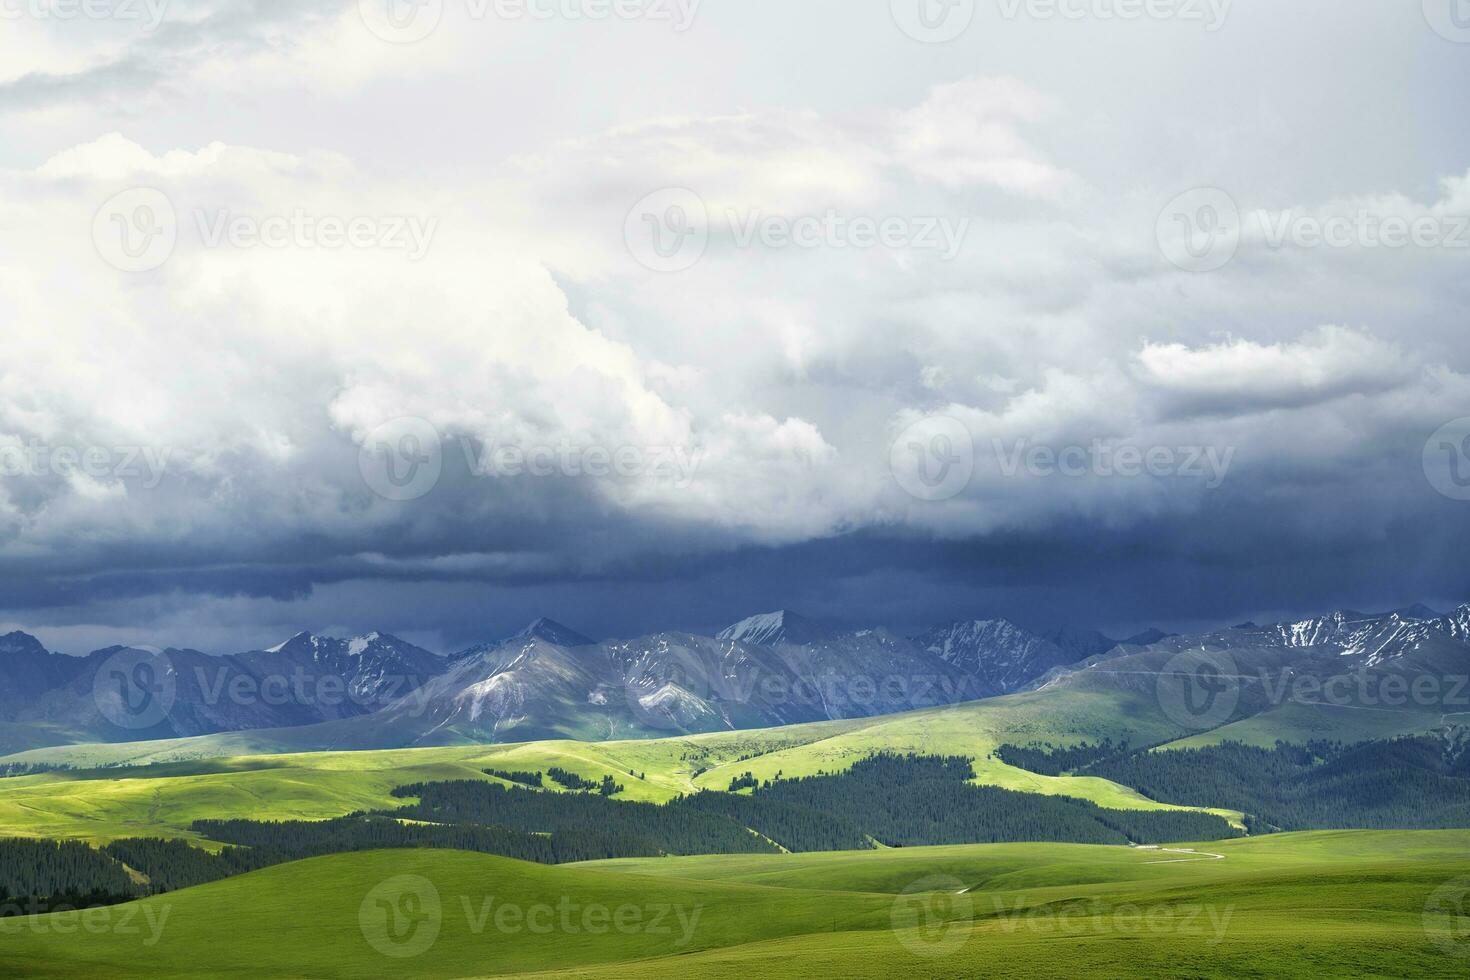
(1367, 904)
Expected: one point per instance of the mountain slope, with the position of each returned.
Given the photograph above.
(776, 628)
(1000, 656)
(28, 670)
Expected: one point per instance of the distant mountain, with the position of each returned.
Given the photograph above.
(1373, 638)
(547, 630)
(553, 632)
(1001, 656)
(662, 684)
(1342, 675)
(549, 681)
(28, 670)
(375, 669)
(962, 661)
(127, 693)
(775, 628)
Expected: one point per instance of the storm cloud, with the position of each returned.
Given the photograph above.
(300, 328)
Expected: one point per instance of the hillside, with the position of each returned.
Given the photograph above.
(438, 914)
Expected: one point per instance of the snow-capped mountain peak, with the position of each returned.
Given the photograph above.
(302, 637)
(773, 628)
(552, 632)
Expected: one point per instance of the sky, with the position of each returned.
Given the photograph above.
(435, 317)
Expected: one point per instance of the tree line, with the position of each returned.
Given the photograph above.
(1054, 760)
(42, 875)
(911, 800)
(1413, 783)
(623, 828)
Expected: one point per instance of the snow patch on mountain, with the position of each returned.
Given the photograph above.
(774, 628)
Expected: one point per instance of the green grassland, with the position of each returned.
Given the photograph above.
(164, 788)
(1302, 723)
(1314, 904)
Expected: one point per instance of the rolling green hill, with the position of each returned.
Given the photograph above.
(164, 788)
(1365, 904)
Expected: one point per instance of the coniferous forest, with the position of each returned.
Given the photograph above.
(1407, 783)
(41, 875)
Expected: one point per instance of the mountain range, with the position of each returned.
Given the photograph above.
(549, 681)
